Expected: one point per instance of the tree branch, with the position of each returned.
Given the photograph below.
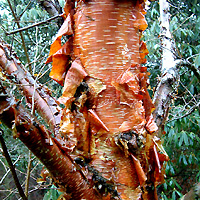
(12, 168)
(28, 174)
(52, 8)
(165, 88)
(37, 138)
(43, 102)
(193, 68)
(193, 194)
(33, 25)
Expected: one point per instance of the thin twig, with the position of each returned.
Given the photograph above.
(28, 173)
(2, 179)
(12, 168)
(182, 23)
(188, 92)
(22, 37)
(190, 111)
(25, 9)
(191, 67)
(36, 49)
(33, 25)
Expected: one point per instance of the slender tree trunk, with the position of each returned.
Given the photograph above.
(169, 71)
(193, 194)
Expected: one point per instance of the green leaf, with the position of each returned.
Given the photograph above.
(24, 17)
(174, 195)
(177, 185)
(164, 197)
(198, 177)
(180, 158)
(47, 196)
(54, 194)
(183, 32)
(171, 183)
(172, 170)
(62, 3)
(197, 60)
(18, 9)
(184, 160)
(171, 132)
(190, 159)
(185, 138)
(180, 140)
(190, 50)
(165, 186)
(33, 13)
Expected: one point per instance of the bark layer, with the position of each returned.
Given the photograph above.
(106, 147)
(107, 119)
(38, 139)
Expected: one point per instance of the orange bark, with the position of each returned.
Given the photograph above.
(108, 108)
(106, 146)
(37, 138)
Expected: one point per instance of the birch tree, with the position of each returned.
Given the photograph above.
(103, 144)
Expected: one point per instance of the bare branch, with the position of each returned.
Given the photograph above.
(191, 110)
(12, 168)
(22, 37)
(193, 68)
(2, 179)
(53, 8)
(43, 102)
(28, 174)
(169, 76)
(183, 23)
(33, 25)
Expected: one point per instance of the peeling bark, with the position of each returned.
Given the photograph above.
(106, 147)
(37, 138)
(108, 108)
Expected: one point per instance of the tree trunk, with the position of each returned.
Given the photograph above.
(193, 194)
(106, 147)
(169, 72)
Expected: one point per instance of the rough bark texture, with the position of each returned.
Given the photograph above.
(37, 138)
(193, 194)
(169, 75)
(53, 9)
(107, 118)
(106, 147)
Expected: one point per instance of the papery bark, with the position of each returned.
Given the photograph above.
(111, 102)
(106, 146)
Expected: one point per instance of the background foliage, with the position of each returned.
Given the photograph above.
(182, 130)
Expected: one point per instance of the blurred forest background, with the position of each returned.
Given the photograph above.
(182, 130)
